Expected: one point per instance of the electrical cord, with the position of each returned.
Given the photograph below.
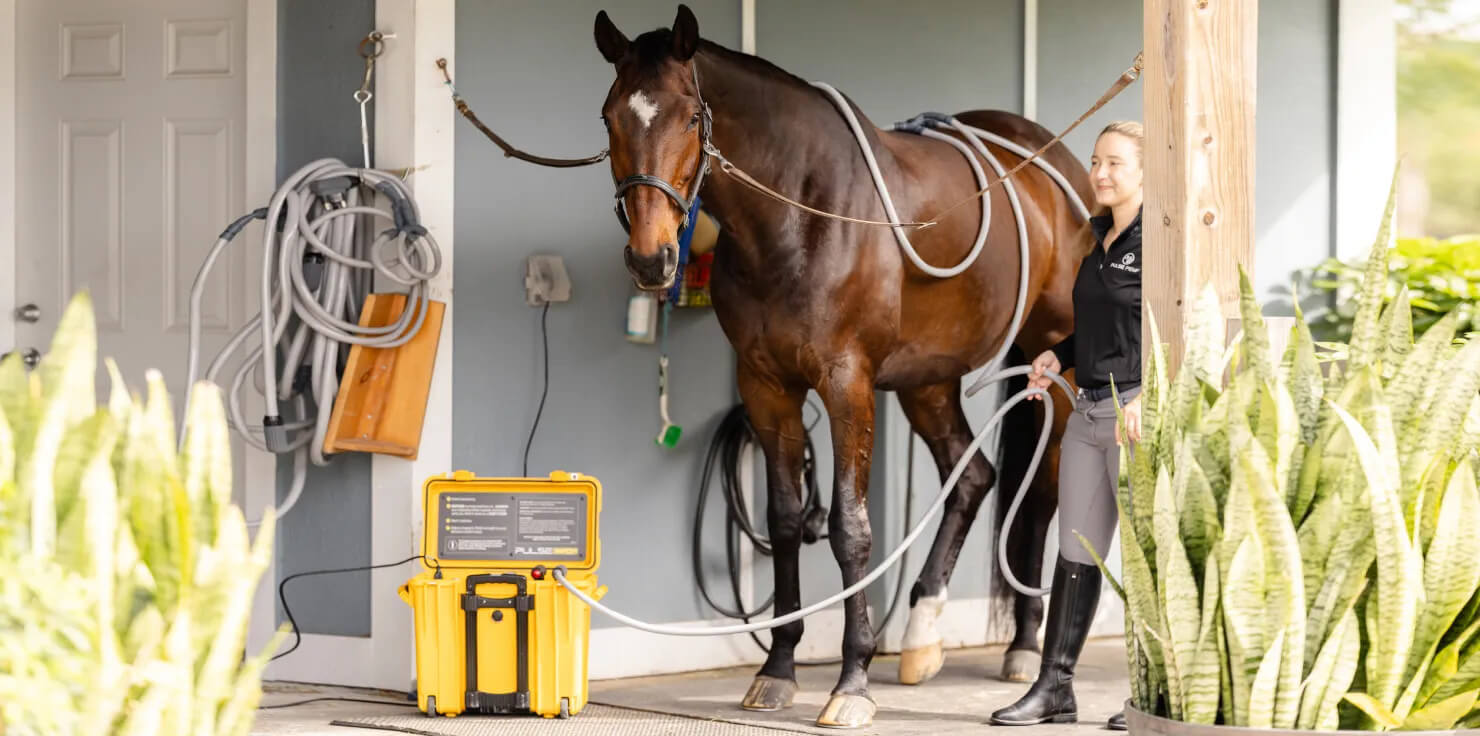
(283, 596)
(344, 700)
(545, 340)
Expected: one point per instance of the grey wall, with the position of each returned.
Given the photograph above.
(329, 526)
(1296, 143)
(1294, 111)
(898, 59)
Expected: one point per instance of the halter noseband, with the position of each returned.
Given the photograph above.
(706, 129)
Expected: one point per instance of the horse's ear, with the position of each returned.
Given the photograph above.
(609, 40)
(685, 34)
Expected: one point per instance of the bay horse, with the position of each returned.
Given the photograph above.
(810, 302)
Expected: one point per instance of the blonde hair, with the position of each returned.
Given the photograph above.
(1128, 128)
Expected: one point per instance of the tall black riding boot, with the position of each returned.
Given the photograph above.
(1071, 610)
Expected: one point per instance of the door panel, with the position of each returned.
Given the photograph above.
(130, 160)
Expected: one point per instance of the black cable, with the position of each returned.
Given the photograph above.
(346, 700)
(725, 449)
(545, 340)
(283, 598)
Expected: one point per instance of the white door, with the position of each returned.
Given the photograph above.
(130, 124)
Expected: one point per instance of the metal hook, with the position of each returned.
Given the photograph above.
(373, 44)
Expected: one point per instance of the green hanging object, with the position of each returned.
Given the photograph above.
(669, 435)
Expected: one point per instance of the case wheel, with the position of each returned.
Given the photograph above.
(431, 706)
(565, 707)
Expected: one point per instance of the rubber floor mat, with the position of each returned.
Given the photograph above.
(593, 720)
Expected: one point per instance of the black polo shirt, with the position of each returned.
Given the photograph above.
(1107, 311)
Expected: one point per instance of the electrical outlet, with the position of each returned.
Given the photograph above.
(545, 280)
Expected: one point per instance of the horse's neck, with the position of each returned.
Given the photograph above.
(769, 127)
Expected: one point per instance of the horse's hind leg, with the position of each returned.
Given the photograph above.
(776, 414)
(1029, 532)
(935, 413)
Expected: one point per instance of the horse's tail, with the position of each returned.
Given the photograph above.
(1019, 438)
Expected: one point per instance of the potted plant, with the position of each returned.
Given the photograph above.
(1300, 536)
(126, 574)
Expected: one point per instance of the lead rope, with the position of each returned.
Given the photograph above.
(510, 151)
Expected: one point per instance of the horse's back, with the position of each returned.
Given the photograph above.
(1033, 136)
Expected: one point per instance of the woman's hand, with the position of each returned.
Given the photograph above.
(1046, 362)
(1132, 413)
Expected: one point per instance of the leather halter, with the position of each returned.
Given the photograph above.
(706, 129)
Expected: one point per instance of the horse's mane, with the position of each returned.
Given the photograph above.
(653, 47)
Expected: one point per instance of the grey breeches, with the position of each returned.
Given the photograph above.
(1089, 469)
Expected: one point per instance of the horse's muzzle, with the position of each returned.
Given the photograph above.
(654, 272)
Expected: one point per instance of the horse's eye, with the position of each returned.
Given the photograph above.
(693, 121)
(606, 123)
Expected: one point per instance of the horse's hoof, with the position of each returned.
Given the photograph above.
(1021, 665)
(848, 711)
(920, 664)
(769, 693)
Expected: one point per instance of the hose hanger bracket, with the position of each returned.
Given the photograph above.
(371, 47)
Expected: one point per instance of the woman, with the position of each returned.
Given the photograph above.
(1105, 345)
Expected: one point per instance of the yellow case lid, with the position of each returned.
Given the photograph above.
(511, 523)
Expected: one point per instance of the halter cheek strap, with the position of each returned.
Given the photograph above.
(706, 131)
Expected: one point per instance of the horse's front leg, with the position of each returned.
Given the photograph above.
(848, 395)
(776, 414)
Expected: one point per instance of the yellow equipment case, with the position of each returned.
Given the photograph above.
(495, 632)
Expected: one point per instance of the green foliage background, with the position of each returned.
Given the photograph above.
(1438, 97)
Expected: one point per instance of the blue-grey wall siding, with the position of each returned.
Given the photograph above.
(1294, 154)
(329, 527)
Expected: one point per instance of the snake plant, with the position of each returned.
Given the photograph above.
(1300, 538)
(126, 574)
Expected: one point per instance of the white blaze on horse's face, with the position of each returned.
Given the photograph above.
(644, 108)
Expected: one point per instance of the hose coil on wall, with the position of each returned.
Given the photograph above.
(321, 255)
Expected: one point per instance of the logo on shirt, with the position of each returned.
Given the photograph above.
(1125, 263)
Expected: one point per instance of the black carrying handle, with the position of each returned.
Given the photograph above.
(472, 603)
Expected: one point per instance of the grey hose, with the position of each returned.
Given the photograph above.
(319, 259)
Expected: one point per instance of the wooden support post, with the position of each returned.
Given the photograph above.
(1198, 218)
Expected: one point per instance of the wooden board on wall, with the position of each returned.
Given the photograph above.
(382, 399)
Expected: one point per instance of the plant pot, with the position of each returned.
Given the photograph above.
(1145, 724)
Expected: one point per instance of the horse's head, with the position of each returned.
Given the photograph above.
(657, 125)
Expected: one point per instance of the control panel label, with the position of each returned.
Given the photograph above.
(534, 527)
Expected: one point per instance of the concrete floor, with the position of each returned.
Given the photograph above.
(957, 701)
